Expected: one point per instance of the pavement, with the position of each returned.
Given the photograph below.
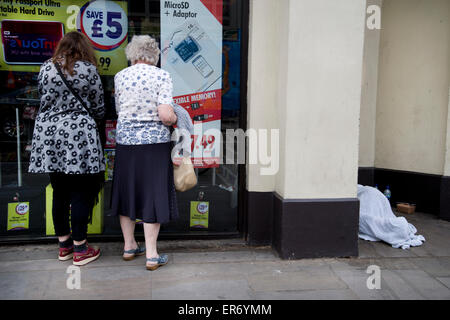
(229, 269)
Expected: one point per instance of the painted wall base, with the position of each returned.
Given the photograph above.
(259, 218)
(299, 229)
(315, 228)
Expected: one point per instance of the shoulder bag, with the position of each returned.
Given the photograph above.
(100, 125)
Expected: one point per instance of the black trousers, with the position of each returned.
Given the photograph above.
(74, 197)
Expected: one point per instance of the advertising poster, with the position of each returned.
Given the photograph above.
(191, 51)
(199, 214)
(18, 216)
(110, 133)
(31, 30)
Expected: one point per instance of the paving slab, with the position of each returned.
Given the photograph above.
(423, 283)
(228, 269)
(444, 280)
(435, 266)
(339, 294)
(44, 284)
(14, 286)
(33, 265)
(356, 280)
(55, 264)
(366, 249)
(111, 283)
(50, 251)
(437, 247)
(30, 284)
(387, 251)
(383, 263)
(25, 253)
(400, 288)
(242, 270)
(172, 273)
(314, 278)
(220, 257)
(203, 289)
(133, 282)
(424, 250)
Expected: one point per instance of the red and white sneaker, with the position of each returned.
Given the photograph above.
(65, 254)
(82, 258)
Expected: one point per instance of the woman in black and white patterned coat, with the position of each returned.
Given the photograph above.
(66, 143)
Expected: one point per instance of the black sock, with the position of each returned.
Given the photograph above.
(66, 244)
(80, 248)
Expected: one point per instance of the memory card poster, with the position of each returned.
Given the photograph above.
(31, 30)
(191, 51)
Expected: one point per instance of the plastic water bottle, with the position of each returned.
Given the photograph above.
(387, 193)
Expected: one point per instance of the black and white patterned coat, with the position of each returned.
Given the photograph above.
(65, 138)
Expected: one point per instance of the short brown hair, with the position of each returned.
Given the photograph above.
(73, 47)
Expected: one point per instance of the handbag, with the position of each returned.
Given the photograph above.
(184, 175)
(99, 123)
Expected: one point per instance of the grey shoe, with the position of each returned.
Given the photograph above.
(160, 261)
(133, 253)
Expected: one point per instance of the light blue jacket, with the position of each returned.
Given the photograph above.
(185, 128)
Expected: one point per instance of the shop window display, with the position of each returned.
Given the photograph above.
(201, 48)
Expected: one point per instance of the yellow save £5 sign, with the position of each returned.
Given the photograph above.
(31, 30)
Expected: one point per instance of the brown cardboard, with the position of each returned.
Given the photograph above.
(406, 208)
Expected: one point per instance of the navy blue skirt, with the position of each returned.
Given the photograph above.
(143, 186)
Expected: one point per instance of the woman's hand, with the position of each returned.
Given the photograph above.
(166, 114)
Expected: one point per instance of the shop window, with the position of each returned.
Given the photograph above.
(204, 60)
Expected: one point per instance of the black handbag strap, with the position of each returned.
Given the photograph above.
(77, 96)
(99, 125)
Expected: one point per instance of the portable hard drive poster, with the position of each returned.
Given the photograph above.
(31, 30)
(191, 51)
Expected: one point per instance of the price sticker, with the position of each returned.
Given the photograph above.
(105, 23)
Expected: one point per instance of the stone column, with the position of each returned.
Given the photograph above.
(316, 211)
(305, 71)
(369, 102)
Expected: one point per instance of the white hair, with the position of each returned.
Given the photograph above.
(143, 48)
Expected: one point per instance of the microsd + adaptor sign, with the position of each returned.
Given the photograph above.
(191, 51)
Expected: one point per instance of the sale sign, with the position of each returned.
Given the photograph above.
(18, 216)
(191, 51)
(31, 31)
(105, 23)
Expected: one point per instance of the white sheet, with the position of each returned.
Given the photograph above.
(377, 222)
